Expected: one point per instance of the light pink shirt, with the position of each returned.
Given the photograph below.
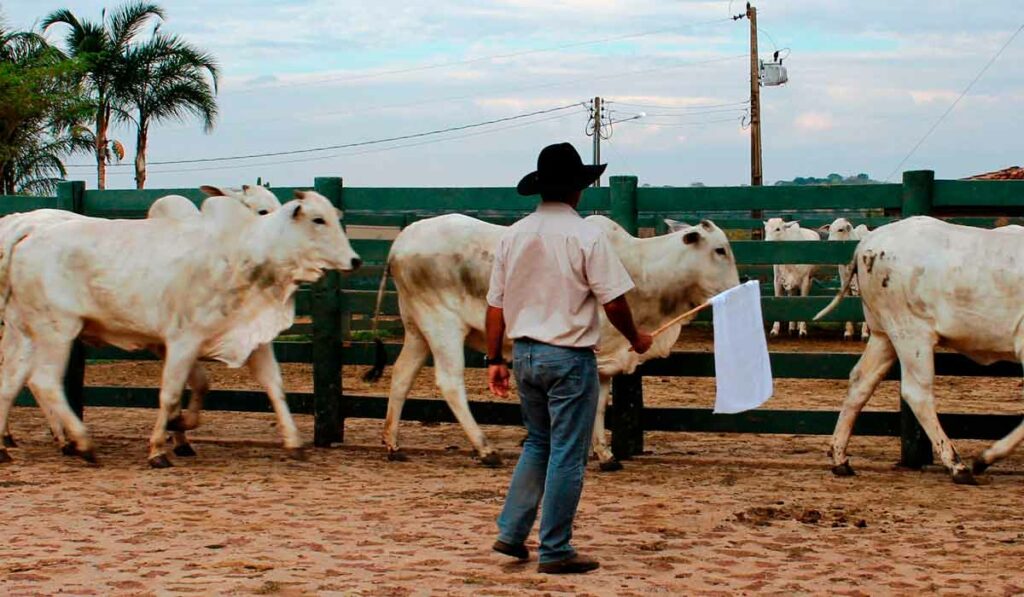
(552, 273)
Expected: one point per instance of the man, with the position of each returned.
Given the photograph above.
(551, 273)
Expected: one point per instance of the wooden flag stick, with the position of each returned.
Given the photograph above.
(676, 320)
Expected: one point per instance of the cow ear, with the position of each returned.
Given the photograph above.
(212, 191)
(706, 224)
(341, 214)
(299, 194)
(691, 237)
(792, 224)
(823, 228)
(297, 212)
(674, 225)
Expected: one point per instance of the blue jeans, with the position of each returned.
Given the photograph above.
(558, 391)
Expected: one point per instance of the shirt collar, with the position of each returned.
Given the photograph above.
(556, 207)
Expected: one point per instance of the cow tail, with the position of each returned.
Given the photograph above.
(380, 354)
(842, 291)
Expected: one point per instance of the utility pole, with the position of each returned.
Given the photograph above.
(596, 119)
(755, 101)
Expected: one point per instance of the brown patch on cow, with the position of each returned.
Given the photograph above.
(263, 275)
(475, 283)
(869, 260)
(885, 281)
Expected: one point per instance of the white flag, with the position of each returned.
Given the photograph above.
(743, 374)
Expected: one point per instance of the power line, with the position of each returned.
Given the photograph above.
(686, 124)
(670, 107)
(489, 58)
(694, 113)
(355, 153)
(936, 124)
(364, 143)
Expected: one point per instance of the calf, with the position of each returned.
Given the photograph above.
(790, 280)
(926, 283)
(842, 229)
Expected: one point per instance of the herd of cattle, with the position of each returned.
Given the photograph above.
(218, 283)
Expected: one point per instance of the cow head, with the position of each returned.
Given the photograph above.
(777, 229)
(707, 256)
(309, 235)
(259, 199)
(841, 229)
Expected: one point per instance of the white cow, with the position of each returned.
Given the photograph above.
(441, 267)
(927, 283)
(219, 287)
(842, 229)
(790, 280)
(258, 199)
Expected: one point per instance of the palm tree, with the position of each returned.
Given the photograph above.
(166, 78)
(102, 47)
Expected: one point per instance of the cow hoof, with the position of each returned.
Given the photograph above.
(865, 338)
(492, 460)
(979, 466)
(843, 470)
(299, 454)
(847, 337)
(610, 466)
(9, 442)
(184, 450)
(964, 477)
(773, 334)
(160, 461)
(397, 456)
(802, 334)
(176, 424)
(88, 456)
(4, 456)
(69, 449)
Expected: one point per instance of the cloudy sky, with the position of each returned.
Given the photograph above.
(867, 80)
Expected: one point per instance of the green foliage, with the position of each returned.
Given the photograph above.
(41, 108)
(830, 180)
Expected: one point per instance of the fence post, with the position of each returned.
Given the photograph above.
(328, 407)
(71, 196)
(627, 390)
(915, 447)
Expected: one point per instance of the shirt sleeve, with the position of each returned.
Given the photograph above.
(606, 275)
(496, 287)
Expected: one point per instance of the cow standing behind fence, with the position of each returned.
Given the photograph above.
(842, 229)
(790, 280)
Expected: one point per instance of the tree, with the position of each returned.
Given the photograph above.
(101, 48)
(41, 108)
(166, 78)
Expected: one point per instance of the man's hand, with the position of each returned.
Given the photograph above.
(642, 342)
(497, 379)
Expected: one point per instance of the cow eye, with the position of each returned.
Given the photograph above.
(720, 251)
(263, 212)
(319, 221)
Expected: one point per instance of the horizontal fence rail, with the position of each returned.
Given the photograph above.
(331, 312)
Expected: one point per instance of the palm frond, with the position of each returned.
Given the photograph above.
(128, 19)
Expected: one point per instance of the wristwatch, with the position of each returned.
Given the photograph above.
(488, 361)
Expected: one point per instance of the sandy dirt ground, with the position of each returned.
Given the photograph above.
(707, 514)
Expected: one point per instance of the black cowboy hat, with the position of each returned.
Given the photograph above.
(559, 170)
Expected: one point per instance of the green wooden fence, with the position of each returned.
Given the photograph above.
(339, 304)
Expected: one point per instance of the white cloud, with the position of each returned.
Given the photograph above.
(814, 122)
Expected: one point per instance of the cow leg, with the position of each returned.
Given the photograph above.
(848, 331)
(187, 420)
(16, 366)
(177, 364)
(603, 452)
(917, 360)
(265, 370)
(410, 360)
(450, 367)
(865, 333)
(46, 380)
(1003, 447)
(777, 285)
(869, 371)
(805, 290)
